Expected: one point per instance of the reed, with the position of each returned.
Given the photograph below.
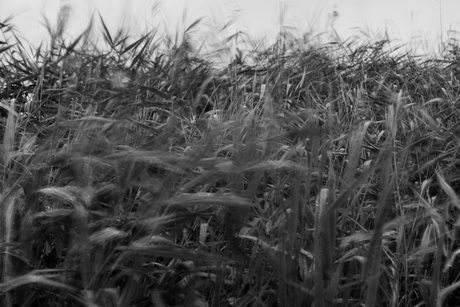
(142, 174)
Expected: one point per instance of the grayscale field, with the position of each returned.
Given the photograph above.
(146, 172)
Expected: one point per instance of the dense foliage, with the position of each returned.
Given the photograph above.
(298, 175)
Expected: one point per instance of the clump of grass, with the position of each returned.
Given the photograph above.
(140, 174)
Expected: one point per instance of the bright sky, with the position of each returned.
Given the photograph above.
(420, 22)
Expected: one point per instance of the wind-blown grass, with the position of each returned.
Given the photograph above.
(142, 175)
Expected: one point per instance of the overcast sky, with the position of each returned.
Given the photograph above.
(419, 22)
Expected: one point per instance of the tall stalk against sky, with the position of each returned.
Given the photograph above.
(257, 17)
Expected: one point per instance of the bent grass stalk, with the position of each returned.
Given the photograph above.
(323, 175)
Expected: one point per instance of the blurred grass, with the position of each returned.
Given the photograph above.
(301, 174)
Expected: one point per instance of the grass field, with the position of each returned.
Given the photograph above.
(142, 174)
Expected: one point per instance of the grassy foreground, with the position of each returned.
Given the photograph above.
(140, 175)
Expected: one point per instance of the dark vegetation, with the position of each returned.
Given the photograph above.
(299, 175)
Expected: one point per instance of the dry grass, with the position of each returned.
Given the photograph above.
(141, 175)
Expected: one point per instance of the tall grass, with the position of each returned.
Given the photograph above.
(139, 174)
